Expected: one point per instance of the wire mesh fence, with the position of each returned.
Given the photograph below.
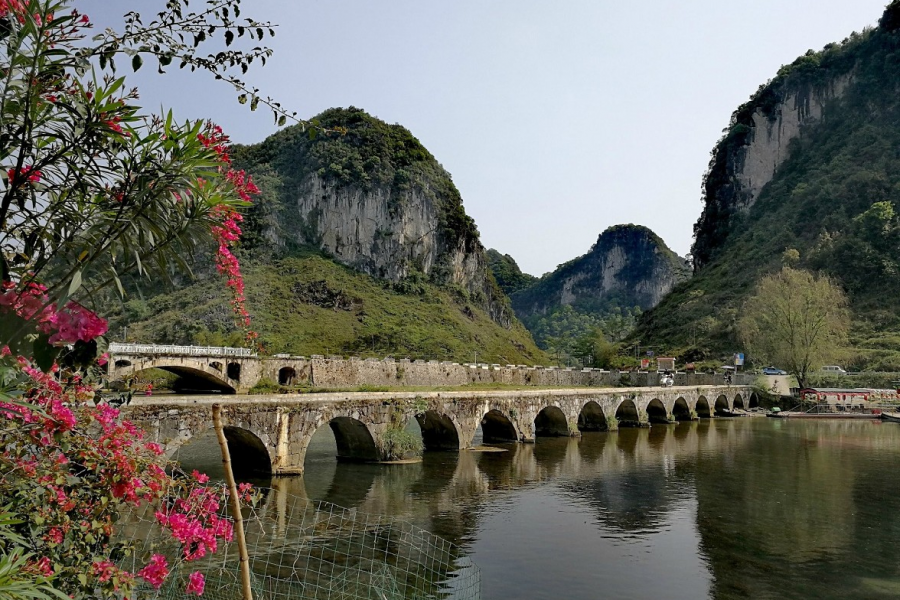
(301, 549)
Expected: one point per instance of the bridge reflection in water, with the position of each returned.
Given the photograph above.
(722, 508)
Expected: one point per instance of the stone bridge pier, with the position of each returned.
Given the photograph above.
(271, 434)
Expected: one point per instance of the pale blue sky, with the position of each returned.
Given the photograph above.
(556, 119)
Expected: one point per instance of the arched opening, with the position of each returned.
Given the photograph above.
(248, 453)
(739, 402)
(216, 365)
(191, 380)
(438, 431)
(497, 428)
(681, 411)
(627, 414)
(754, 400)
(286, 375)
(234, 371)
(249, 458)
(353, 439)
(591, 418)
(656, 412)
(551, 422)
(122, 363)
(703, 408)
(346, 483)
(721, 405)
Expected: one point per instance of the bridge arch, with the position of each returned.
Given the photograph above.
(721, 406)
(354, 440)
(754, 400)
(627, 414)
(681, 411)
(551, 422)
(439, 432)
(592, 418)
(196, 375)
(286, 375)
(497, 427)
(656, 411)
(739, 402)
(703, 408)
(234, 371)
(248, 453)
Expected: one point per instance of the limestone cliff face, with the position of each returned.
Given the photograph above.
(756, 144)
(628, 266)
(372, 198)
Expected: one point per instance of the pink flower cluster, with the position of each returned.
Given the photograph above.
(90, 464)
(227, 231)
(16, 7)
(27, 173)
(67, 325)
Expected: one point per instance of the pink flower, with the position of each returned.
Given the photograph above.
(195, 583)
(28, 172)
(156, 571)
(200, 477)
(103, 570)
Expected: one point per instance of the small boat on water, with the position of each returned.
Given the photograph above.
(889, 416)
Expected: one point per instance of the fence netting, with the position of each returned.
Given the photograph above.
(302, 549)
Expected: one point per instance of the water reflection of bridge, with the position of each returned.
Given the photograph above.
(441, 494)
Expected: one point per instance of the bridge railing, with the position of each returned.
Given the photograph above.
(161, 349)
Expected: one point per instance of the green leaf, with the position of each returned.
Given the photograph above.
(44, 353)
(229, 37)
(242, 98)
(75, 284)
(136, 62)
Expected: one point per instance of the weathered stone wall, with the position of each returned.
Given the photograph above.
(341, 373)
(337, 373)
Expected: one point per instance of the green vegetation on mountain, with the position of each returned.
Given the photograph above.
(832, 206)
(310, 305)
(509, 276)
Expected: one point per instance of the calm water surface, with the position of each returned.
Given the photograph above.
(729, 508)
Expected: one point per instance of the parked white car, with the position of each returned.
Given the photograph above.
(834, 370)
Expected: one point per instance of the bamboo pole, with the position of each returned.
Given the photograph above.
(234, 500)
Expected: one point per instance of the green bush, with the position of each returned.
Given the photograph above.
(397, 444)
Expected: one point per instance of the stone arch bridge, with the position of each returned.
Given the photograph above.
(271, 434)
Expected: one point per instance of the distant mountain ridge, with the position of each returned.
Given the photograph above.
(597, 295)
(628, 266)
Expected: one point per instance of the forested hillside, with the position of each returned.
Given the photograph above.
(807, 174)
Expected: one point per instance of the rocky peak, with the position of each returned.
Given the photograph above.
(628, 266)
(369, 195)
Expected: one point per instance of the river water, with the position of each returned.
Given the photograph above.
(724, 508)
